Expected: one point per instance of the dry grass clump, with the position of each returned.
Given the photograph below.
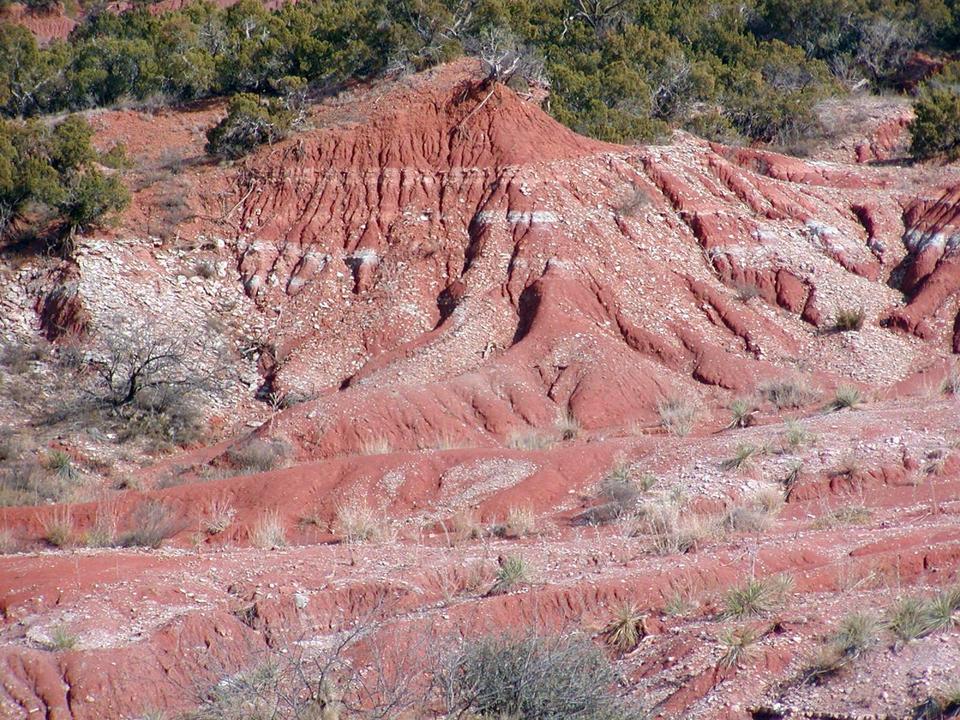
(672, 528)
(845, 515)
(951, 383)
(846, 397)
(357, 521)
(625, 629)
(466, 526)
(258, 455)
(530, 440)
(756, 511)
(269, 530)
(757, 597)
(742, 413)
(520, 522)
(787, 393)
(634, 200)
(376, 446)
(568, 426)
(621, 492)
(150, 524)
(58, 528)
(103, 533)
(849, 319)
(220, 515)
(8, 541)
(677, 415)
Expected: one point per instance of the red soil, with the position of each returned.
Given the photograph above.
(444, 273)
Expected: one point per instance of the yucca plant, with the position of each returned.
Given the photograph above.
(737, 646)
(625, 630)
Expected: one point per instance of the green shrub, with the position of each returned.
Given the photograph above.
(935, 131)
(54, 169)
(250, 122)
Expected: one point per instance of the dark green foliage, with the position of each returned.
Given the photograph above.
(50, 173)
(249, 122)
(936, 129)
(623, 71)
(536, 678)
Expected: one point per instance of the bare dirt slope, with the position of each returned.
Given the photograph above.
(466, 316)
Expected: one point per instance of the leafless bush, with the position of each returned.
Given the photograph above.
(504, 57)
(633, 201)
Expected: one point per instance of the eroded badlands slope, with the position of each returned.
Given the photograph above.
(467, 309)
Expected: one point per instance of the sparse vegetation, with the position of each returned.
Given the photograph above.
(951, 383)
(795, 436)
(150, 523)
(220, 515)
(268, 531)
(756, 597)
(737, 645)
(568, 426)
(787, 394)
(513, 571)
(535, 678)
(625, 629)
(58, 527)
(258, 455)
(849, 319)
(742, 413)
(677, 415)
(857, 633)
(61, 638)
(357, 522)
(747, 292)
(846, 397)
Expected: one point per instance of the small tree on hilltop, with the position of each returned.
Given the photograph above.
(251, 122)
